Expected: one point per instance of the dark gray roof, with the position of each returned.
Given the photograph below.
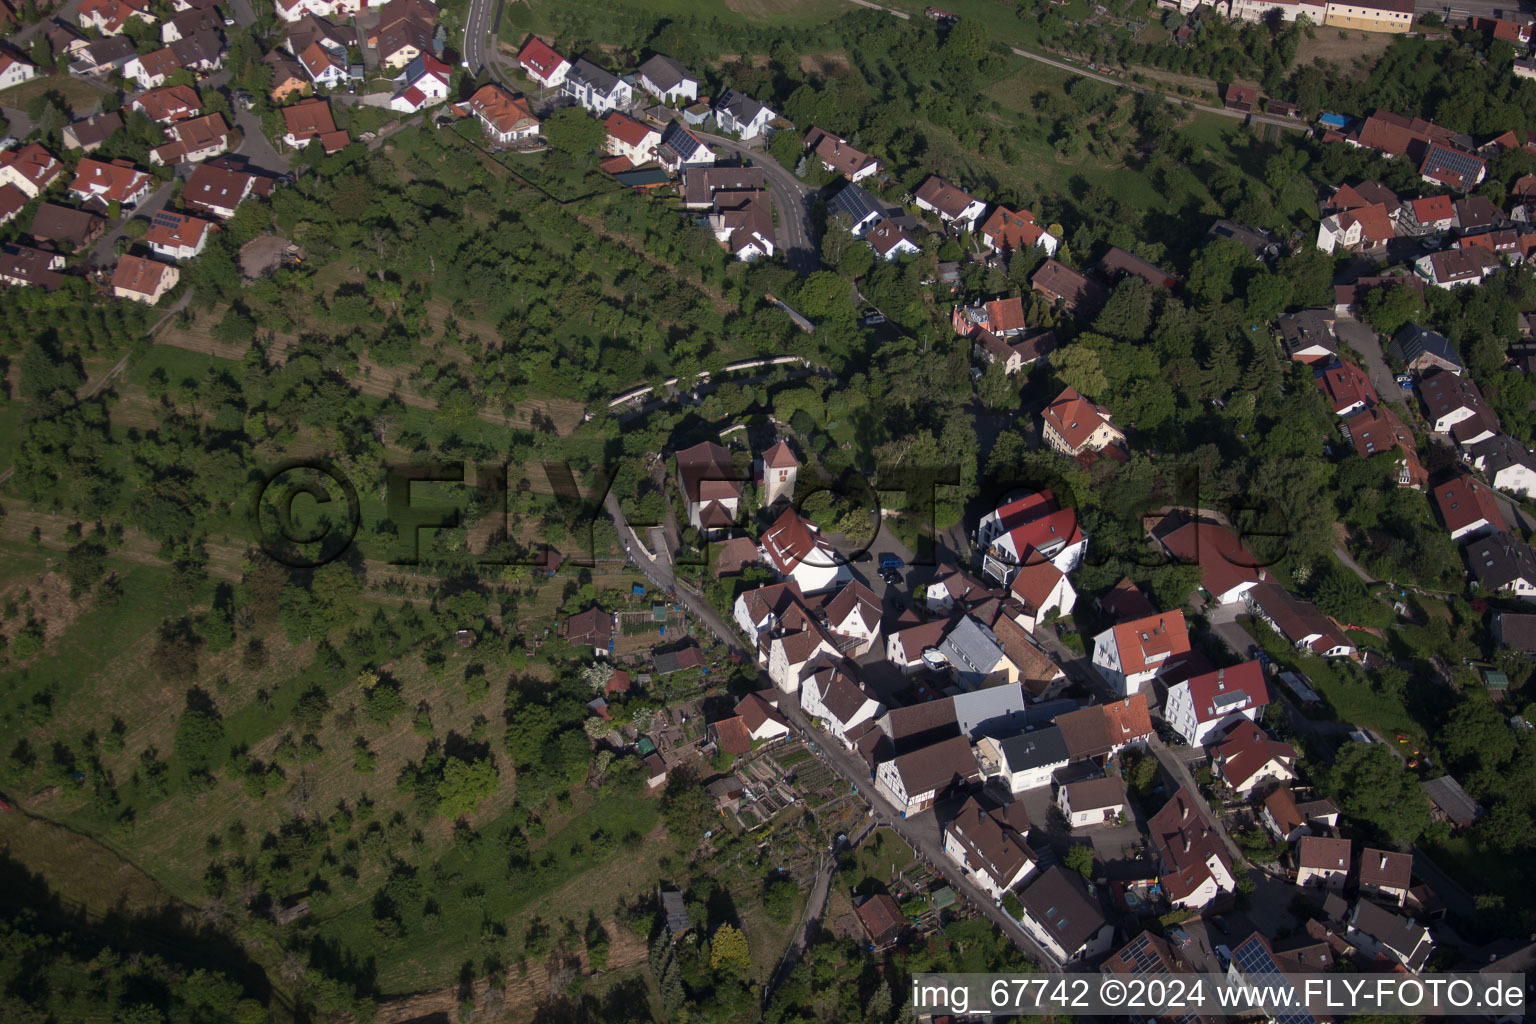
(1450, 798)
(686, 145)
(1035, 749)
(1059, 900)
(1401, 934)
(664, 72)
(855, 202)
(584, 72)
(1498, 560)
(991, 711)
(1500, 452)
(741, 106)
(1413, 341)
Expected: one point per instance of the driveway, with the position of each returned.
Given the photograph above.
(791, 197)
(102, 254)
(1363, 340)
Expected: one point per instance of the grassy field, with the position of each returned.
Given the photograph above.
(1485, 871)
(82, 97)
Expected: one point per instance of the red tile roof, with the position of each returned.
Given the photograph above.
(1145, 642)
(1346, 385)
(1224, 562)
(1074, 417)
(539, 57)
(626, 129)
(1214, 693)
(1245, 750)
(1010, 230)
(1463, 503)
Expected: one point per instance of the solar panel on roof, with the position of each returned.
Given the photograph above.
(1258, 967)
(166, 219)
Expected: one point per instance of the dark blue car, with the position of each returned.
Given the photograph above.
(892, 562)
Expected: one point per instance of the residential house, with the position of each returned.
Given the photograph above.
(1284, 817)
(288, 76)
(882, 920)
(190, 22)
(150, 70)
(102, 56)
(542, 64)
(596, 89)
(1030, 759)
(1378, 431)
(1100, 731)
(762, 718)
(838, 157)
(1124, 601)
(974, 656)
(955, 206)
(1371, 15)
(26, 267)
(1131, 653)
(503, 117)
(1451, 268)
(1423, 350)
(404, 31)
(1041, 678)
(655, 777)
(88, 134)
(1063, 914)
(1308, 336)
(12, 201)
(115, 182)
(853, 616)
(1455, 402)
(1228, 570)
(1452, 168)
(1298, 621)
(195, 139)
(1118, 264)
(1193, 861)
(795, 646)
(905, 647)
(1500, 563)
(217, 190)
(1076, 294)
(889, 241)
(32, 169)
(1259, 243)
(1211, 703)
(1431, 215)
(1365, 230)
(1322, 862)
(1509, 466)
(742, 222)
(1391, 937)
(311, 29)
(1002, 317)
(796, 551)
(1476, 215)
(863, 210)
(66, 227)
(1514, 630)
(1074, 426)
(142, 280)
(591, 628)
(1092, 801)
(15, 69)
(1040, 589)
(178, 236)
(309, 121)
(680, 148)
(424, 83)
(1450, 803)
(1036, 530)
(1516, 32)
(324, 68)
(630, 139)
(836, 702)
(990, 846)
(110, 17)
(739, 113)
(1386, 875)
(1009, 231)
(1246, 757)
(913, 781)
(667, 80)
(1468, 508)
(1347, 388)
(952, 589)
(756, 611)
(1016, 352)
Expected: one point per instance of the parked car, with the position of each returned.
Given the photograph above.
(864, 556)
(873, 317)
(892, 561)
(1221, 925)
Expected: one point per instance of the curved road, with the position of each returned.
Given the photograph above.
(792, 198)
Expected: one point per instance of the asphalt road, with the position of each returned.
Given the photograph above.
(791, 197)
(102, 254)
(477, 30)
